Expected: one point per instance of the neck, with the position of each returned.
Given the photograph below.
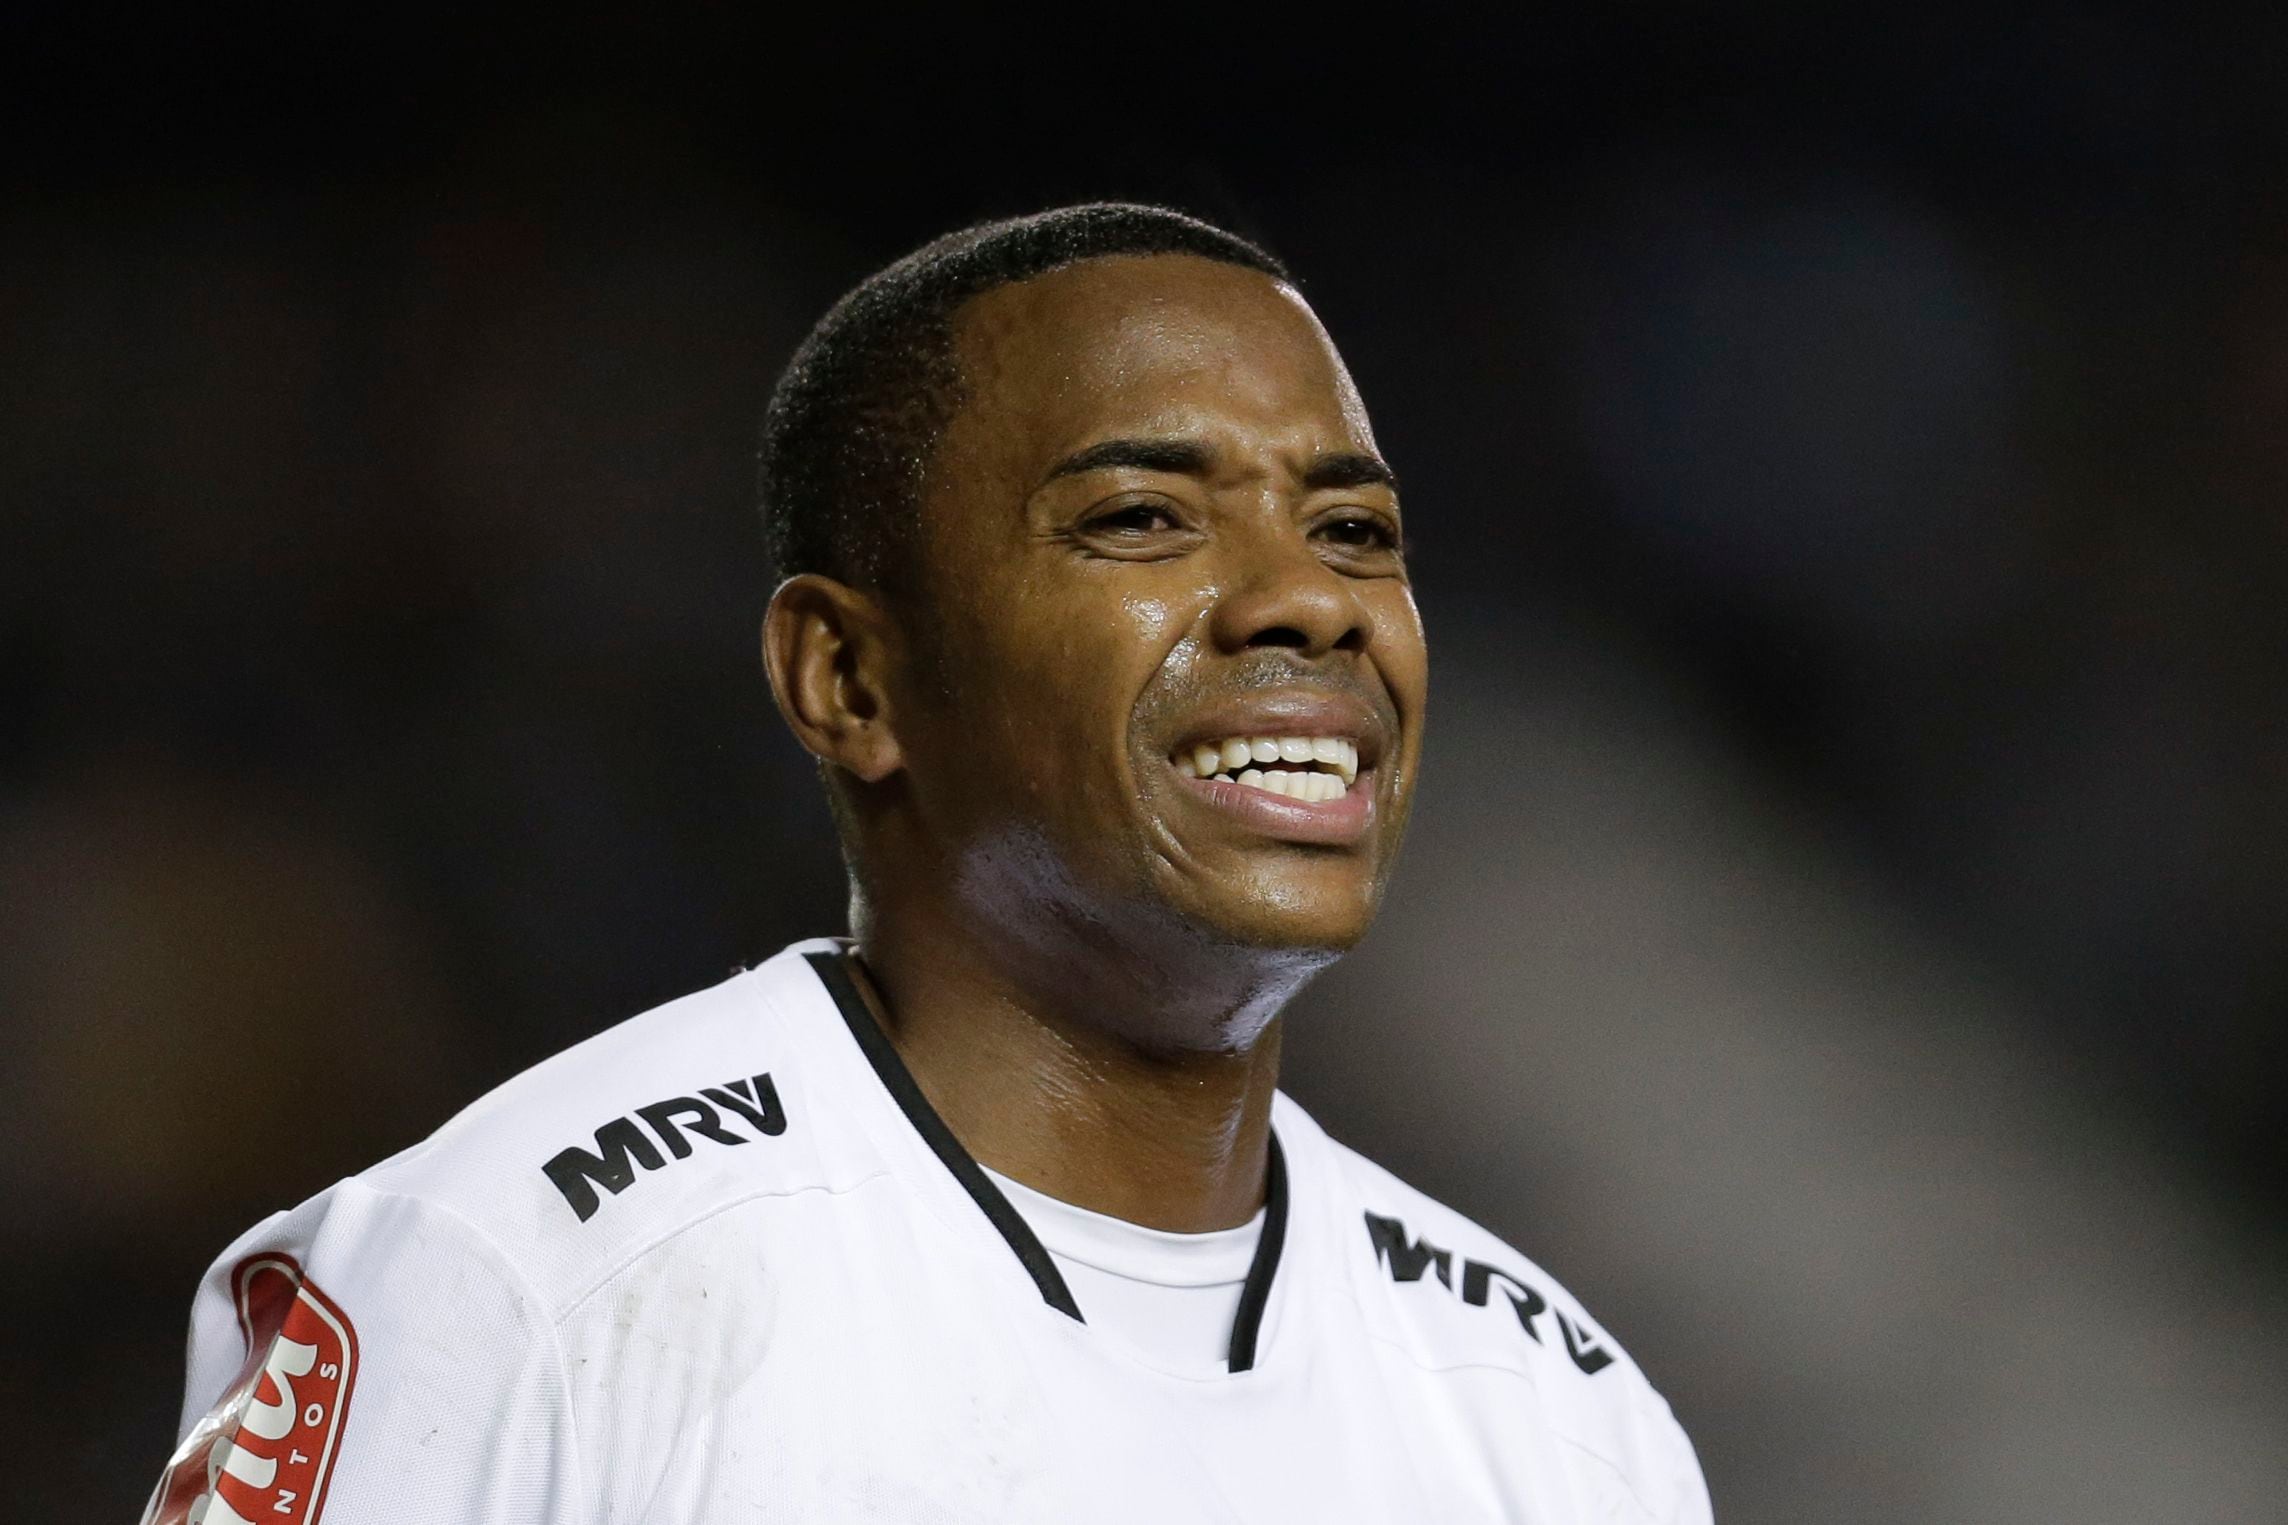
(1106, 1085)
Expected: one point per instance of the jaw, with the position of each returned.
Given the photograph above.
(1181, 913)
(1270, 872)
(1272, 807)
(1160, 965)
(1262, 893)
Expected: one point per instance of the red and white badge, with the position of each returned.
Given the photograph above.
(264, 1451)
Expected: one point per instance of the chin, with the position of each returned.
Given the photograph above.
(1307, 921)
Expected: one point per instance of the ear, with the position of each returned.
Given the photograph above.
(829, 649)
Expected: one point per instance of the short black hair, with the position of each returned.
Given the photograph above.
(852, 424)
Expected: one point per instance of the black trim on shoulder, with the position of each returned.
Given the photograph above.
(1255, 1294)
(900, 1083)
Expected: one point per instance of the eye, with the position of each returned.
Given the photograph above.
(1360, 531)
(1134, 518)
(1141, 527)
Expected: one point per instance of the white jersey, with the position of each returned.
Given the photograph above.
(1171, 1297)
(723, 1263)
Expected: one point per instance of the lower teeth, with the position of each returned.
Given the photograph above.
(1257, 781)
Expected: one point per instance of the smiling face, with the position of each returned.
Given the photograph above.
(1165, 669)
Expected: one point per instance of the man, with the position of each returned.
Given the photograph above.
(1096, 617)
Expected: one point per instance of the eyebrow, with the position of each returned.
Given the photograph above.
(1349, 469)
(1186, 456)
(1190, 458)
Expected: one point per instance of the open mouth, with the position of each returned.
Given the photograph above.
(1306, 769)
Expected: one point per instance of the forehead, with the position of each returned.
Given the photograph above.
(1158, 343)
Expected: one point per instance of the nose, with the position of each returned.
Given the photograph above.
(1281, 594)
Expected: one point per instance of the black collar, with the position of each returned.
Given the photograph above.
(899, 1081)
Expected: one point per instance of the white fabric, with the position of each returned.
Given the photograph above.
(792, 1310)
(1169, 1298)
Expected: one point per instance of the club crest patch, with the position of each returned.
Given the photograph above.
(264, 1451)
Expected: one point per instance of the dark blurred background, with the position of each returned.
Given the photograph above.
(1843, 935)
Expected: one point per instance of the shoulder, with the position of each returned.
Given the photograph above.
(565, 1173)
(1455, 1297)
(1411, 1239)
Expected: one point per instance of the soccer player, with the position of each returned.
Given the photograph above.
(1096, 616)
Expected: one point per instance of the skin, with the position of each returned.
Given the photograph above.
(1081, 955)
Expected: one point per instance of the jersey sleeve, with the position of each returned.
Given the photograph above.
(370, 1357)
(1691, 1502)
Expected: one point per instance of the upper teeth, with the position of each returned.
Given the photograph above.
(1252, 760)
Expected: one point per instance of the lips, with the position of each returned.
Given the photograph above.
(1338, 821)
(1287, 765)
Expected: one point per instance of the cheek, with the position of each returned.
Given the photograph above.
(1047, 687)
(1400, 652)
(1118, 651)
(1150, 618)
(1099, 652)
